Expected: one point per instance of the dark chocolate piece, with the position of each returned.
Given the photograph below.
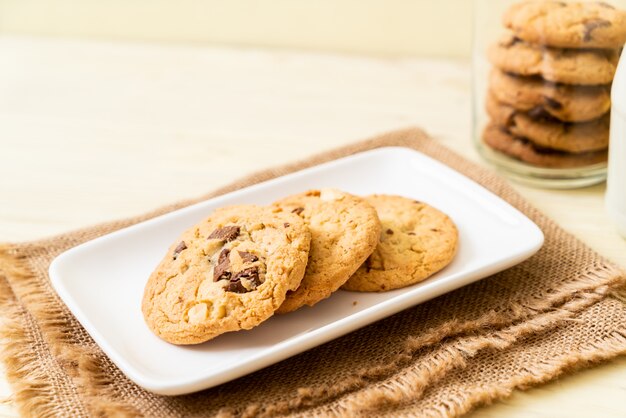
(179, 248)
(248, 257)
(226, 234)
(592, 25)
(220, 272)
(235, 285)
(552, 104)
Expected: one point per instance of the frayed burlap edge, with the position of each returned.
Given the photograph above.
(41, 327)
(32, 391)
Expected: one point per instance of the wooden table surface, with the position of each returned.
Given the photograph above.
(93, 131)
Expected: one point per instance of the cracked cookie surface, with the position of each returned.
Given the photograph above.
(568, 25)
(229, 272)
(416, 241)
(344, 232)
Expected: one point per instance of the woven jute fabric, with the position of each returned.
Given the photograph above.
(560, 310)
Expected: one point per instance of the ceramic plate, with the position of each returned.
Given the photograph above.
(102, 281)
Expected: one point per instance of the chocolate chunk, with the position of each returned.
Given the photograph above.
(223, 256)
(540, 114)
(298, 211)
(510, 120)
(286, 224)
(179, 248)
(541, 150)
(537, 112)
(227, 233)
(551, 103)
(251, 273)
(235, 285)
(247, 257)
(389, 232)
(568, 127)
(220, 272)
(591, 25)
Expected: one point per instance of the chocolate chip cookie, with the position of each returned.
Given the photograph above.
(416, 241)
(568, 25)
(344, 232)
(546, 132)
(227, 273)
(499, 139)
(581, 67)
(564, 102)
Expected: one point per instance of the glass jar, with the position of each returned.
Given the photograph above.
(616, 181)
(542, 74)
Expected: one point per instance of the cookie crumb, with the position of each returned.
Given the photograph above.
(354, 303)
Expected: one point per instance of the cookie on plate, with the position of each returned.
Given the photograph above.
(501, 140)
(547, 132)
(564, 102)
(568, 25)
(581, 67)
(229, 272)
(344, 232)
(416, 241)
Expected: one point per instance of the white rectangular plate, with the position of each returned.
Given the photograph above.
(102, 281)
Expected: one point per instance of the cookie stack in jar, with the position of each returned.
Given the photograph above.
(549, 88)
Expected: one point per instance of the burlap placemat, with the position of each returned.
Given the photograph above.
(557, 311)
